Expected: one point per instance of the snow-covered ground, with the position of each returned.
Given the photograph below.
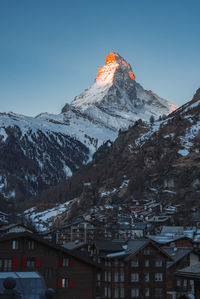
(44, 220)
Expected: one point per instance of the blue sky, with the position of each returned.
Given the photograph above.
(50, 50)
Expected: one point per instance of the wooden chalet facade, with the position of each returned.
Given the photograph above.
(68, 273)
(182, 257)
(138, 270)
(191, 273)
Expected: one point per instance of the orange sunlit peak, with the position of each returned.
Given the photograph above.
(111, 58)
(106, 73)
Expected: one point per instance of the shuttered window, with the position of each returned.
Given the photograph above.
(66, 283)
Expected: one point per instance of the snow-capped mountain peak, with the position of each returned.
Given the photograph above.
(39, 152)
(113, 62)
(116, 100)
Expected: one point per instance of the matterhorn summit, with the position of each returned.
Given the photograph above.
(116, 100)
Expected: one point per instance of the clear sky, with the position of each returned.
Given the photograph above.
(50, 50)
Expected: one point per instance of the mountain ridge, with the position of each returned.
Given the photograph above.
(51, 147)
(158, 161)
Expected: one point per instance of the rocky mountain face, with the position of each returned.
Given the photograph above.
(36, 153)
(151, 160)
(116, 100)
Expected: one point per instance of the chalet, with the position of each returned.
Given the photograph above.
(81, 230)
(191, 273)
(181, 257)
(15, 228)
(159, 220)
(139, 230)
(136, 269)
(70, 274)
(178, 230)
(178, 240)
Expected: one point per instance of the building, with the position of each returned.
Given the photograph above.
(136, 269)
(70, 274)
(15, 228)
(181, 257)
(191, 273)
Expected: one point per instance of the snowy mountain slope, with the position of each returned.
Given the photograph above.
(36, 153)
(159, 160)
(40, 152)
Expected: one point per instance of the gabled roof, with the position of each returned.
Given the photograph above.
(134, 246)
(166, 239)
(178, 230)
(110, 245)
(73, 245)
(140, 226)
(49, 244)
(192, 272)
(13, 225)
(176, 254)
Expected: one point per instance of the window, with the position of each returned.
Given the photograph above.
(146, 263)
(116, 276)
(48, 253)
(158, 276)
(65, 262)
(30, 262)
(65, 283)
(158, 293)
(121, 264)
(109, 292)
(15, 244)
(121, 276)
(178, 282)
(146, 251)
(109, 276)
(146, 276)
(134, 277)
(105, 275)
(158, 263)
(48, 272)
(105, 291)
(134, 292)
(147, 292)
(98, 276)
(185, 282)
(6, 264)
(122, 293)
(116, 292)
(31, 244)
(134, 262)
(116, 263)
